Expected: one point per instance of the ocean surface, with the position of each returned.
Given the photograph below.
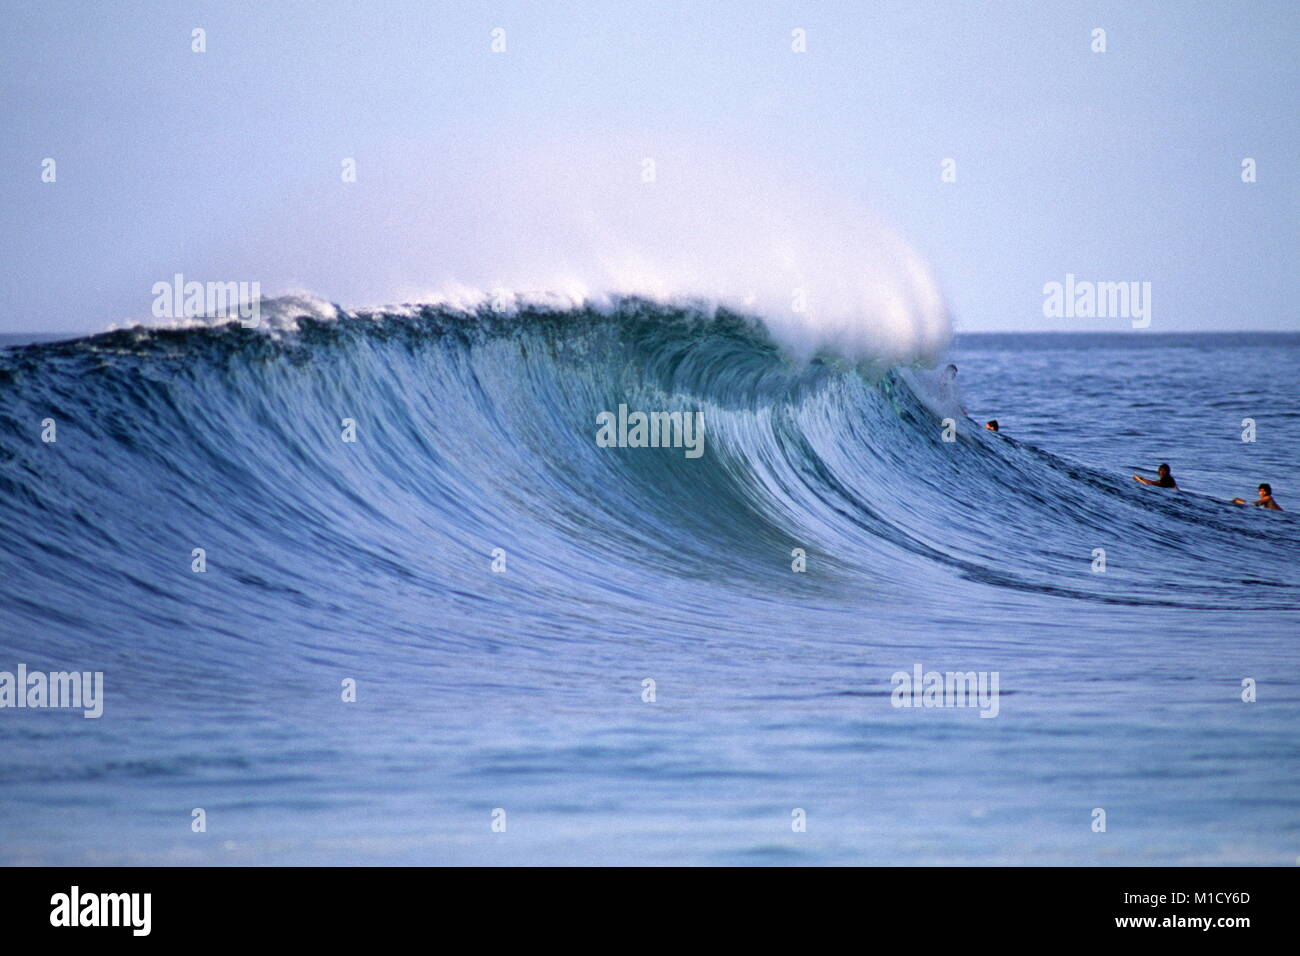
(501, 587)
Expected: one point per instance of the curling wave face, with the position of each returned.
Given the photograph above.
(477, 432)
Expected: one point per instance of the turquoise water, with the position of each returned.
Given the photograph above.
(522, 689)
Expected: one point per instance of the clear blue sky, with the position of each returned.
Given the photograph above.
(1123, 165)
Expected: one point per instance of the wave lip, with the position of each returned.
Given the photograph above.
(691, 224)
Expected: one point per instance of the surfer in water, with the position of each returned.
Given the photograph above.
(991, 424)
(1266, 499)
(948, 388)
(1166, 479)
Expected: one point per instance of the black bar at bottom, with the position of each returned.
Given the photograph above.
(337, 906)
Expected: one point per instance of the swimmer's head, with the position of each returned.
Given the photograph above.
(1163, 471)
(1265, 490)
(991, 424)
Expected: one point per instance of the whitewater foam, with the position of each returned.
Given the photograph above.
(585, 225)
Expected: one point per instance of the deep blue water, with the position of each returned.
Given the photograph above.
(522, 689)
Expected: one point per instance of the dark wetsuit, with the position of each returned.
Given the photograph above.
(1166, 482)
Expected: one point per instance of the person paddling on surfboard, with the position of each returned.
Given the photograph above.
(1166, 479)
(1266, 499)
